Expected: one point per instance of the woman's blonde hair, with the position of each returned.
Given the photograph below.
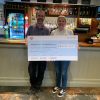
(61, 17)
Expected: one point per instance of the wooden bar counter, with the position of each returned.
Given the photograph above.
(11, 41)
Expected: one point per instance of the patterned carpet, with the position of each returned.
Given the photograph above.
(23, 93)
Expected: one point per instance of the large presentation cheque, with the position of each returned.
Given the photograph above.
(52, 48)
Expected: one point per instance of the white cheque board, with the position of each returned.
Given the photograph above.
(52, 48)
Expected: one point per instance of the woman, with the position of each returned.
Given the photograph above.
(61, 66)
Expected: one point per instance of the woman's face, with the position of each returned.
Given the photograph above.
(61, 22)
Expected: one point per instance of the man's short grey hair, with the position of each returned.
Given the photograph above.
(39, 11)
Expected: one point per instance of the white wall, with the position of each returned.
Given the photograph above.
(96, 2)
(1, 1)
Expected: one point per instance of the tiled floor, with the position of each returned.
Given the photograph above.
(23, 93)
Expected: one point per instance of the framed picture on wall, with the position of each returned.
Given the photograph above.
(72, 1)
(98, 13)
(57, 1)
(86, 1)
(41, 0)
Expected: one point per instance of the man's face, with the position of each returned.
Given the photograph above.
(40, 17)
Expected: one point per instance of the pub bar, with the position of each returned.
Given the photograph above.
(83, 17)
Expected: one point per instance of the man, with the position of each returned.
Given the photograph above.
(36, 69)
